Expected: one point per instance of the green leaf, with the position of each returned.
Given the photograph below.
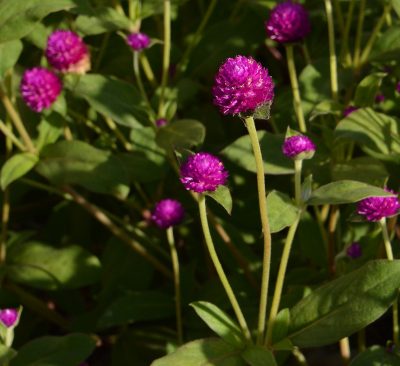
(345, 305)
(6, 354)
(326, 107)
(345, 191)
(76, 162)
(222, 195)
(42, 266)
(259, 356)
(387, 48)
(281, 325)
(154, 7)
(282, 212)
(376, 356)
(49, 129)
(114, 98)
(9, 54)
(16, 167)
(275, 163)
(144, 141)
(134, 307)
(184, 133)
(209, 351)
(220, 323)
(18, 18)
(68, 350)
(376, 133)
(367, 89)
(103, 19)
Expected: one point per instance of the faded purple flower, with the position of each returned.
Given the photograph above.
(241, 85)
(40, 88)
(9, 316)
(138, 41)
(376, 208)
(167, 213)
(161, 122)
(379, 98)
(298, 147)
(66, 52)
(203, 172)
(354, 250)
(288, 22)
(349, 110)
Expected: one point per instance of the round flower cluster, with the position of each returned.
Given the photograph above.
(40, 88)
(241, 85)
(376, 208)
(354, 250)
(138, 41)
(298, 147)
(203, 172)
(167, 213)
(9, 316)
(66, 52)
(288, 22)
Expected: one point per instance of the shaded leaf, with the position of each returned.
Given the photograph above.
(367, 89)
(222, 195)
(376, 356)
(9, 54)
(6, 354)
(388, 46)
(16, 167)
(258, 356)
(282, 212)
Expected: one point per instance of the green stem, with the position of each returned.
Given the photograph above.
(219, 269)
(301, 360)
(359, 33)
(148, 71)
(389, 254)
(295, 88)
(297, 181)
(166, 55)
(175, 267)
(280, 280)
(114, 128)
(339, 16)
(9, 134)
(100, 55)
(345, 352)
(306, 53)
(332, 52)
(344, 51)
(262, 200)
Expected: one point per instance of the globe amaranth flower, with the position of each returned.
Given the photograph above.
(161, 122)
(138, 41)
(9, 316)
(167, 213)
(203, 172)
(40, 88)
(354, 250)
(288, 22)
(298, 147)
(66, 52)
(241, 85)
(349, 110)
(376, 208)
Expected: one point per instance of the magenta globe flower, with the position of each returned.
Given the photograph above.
(241, 85)
(376, 208)
(161, 122)
(288, 22)
(203, 172)
(354, 250)
(138, 41)
(40, 88)
(66, 52)
(167, 213)
(298, 147)
(9, 316)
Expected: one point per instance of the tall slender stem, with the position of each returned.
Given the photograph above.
(262, 201)
(298, 164)
(148, 71)
(344, 51)
(359, 33)
(175, 270)
(166, 55)
(295, 88)
(113, 127)
(332, 52)
(9, 134)
(344, 345)
(219, 269)
(280, 279)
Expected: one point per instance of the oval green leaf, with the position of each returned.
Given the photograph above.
(367, 89)
(376, 356)
(282, 212)
(16, 167)
(222, 195)
(259, 356)
(9, 54)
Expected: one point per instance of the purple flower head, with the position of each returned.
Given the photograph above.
(138, 41)
(40, 88)
(354, 250)
(241, 85)
(66, 52)
(379, 98)
(161, 122)
(9, 316)
(398, 87)
(376, 208)
(288, 22)
(203, 172)
(349, 110)
(167, 212)
(298, 147)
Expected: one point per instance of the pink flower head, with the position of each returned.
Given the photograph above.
(354, 250)
(161, 122)
(40, 88)
(138, 41)
(203, 172)
(298, 147)
(376, 208)
(241, 85)
(349, 110)
(288, 22)
(167, 213)
(9, 316)
(66, 52)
